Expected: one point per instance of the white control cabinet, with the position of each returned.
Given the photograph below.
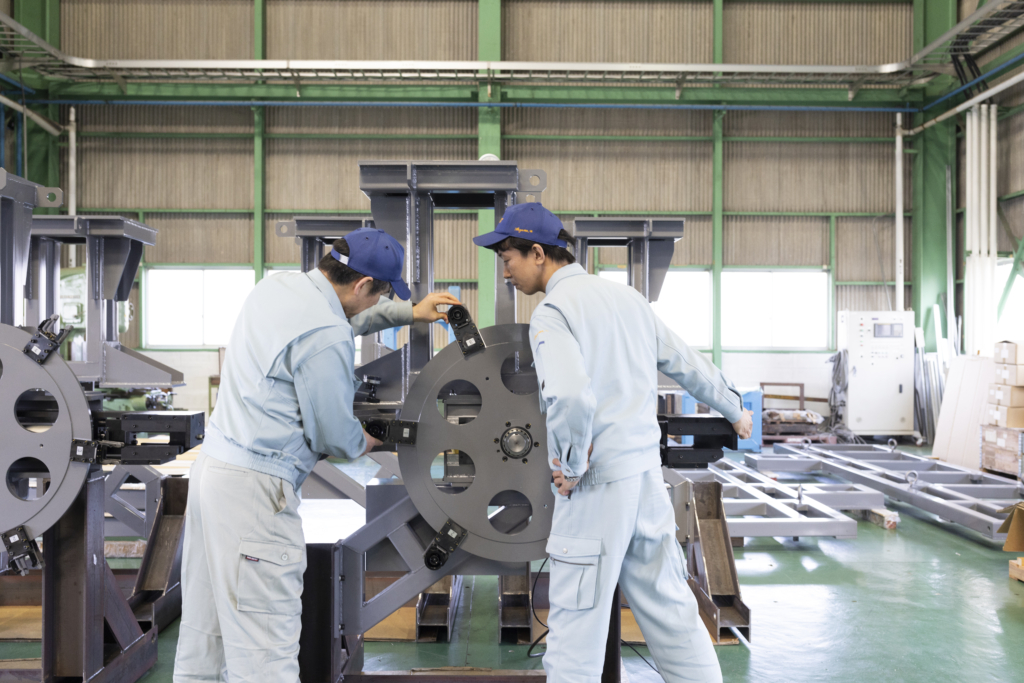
(880, 371)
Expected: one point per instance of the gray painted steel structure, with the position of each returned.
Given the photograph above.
(953, 493)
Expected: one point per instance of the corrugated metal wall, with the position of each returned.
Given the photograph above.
(806, 32)
(372, 29)
(201, 238)
(157, 29)
(607, 31)
(866, 246)
(775, 241)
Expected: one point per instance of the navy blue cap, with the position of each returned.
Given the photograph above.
(529, 221)
(376, 254)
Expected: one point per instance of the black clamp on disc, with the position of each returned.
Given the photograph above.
(46, 340)
(22, 552)
(444, 544)
(464, 329)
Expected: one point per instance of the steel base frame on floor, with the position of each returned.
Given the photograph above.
(758, 506)
(957, 494)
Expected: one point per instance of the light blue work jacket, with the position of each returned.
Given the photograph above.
(288, 379)
(598, 347)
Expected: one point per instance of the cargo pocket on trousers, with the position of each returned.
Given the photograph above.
(270, 578)
(575, 563)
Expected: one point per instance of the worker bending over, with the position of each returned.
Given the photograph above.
(598, 347)
(285, 401)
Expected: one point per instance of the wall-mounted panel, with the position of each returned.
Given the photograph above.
(324, 174)
(775, 241)
(619, 176)
(165, 173)
(636, 122)
(865, 249)
(808, 124)
(200, 238)
(824, 33)
(841, 177)
(157, 29)
(161, 119)
(607, 31)
(371, 120)
(372, 29)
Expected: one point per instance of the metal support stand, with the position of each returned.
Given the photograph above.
(89, 631)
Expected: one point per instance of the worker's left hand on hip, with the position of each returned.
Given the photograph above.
(745, 425)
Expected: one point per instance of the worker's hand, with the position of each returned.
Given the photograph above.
(745, 425)
(371, 443)
(426, 310)
(559, 480)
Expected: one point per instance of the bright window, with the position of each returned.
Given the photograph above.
(1010, 326)
(684, 303)
(775, 309)
(194, 307)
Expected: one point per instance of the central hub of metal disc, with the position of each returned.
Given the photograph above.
(516, 442)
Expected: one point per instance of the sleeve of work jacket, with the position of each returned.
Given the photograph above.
(325, 387)
(384, 315)
(565, 391)
(696, 373)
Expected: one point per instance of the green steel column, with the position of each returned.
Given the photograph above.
(718, 30)
(716, 227)
(936, 148)
(259, 27)
(489, 142)
(259, 183)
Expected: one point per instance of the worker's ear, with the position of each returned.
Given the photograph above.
(537, 252)
(362, 286)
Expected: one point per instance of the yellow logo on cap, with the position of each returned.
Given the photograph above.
(522, 230)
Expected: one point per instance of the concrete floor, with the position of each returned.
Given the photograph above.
(927, 602)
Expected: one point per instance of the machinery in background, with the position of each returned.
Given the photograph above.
(57, 437)
(879, 375)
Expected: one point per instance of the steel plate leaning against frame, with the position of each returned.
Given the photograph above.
(515, 528)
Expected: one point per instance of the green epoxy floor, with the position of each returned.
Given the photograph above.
(927, 602)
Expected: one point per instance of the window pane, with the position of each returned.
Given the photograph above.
(775, 309)
(1011, 324)
(224, 293)
(800, 311)
(174, 314)
(746, 309)
(684, 304)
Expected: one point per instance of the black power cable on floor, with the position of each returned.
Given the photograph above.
(535, 643)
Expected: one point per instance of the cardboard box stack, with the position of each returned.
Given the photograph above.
(1002, 435)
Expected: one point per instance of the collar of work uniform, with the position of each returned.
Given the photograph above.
(562, 273)
(324, 285)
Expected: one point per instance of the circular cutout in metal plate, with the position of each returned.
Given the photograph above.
(46, 451)
(506, 419)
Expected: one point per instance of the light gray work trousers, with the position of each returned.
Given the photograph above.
(622, 532)
(241, 577)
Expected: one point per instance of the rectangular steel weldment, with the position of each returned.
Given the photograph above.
(390, 177)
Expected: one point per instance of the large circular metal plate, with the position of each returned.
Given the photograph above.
(502, 482)
(52, 447)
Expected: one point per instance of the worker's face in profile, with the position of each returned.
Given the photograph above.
(525, 271)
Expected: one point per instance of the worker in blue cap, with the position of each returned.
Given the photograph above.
(285, 402)
(598, 346)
